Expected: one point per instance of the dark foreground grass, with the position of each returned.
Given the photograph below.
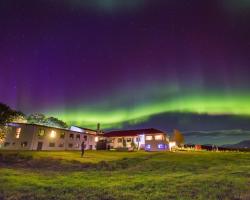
(123, 175)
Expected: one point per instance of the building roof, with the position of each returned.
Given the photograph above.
(86, 129)
(40, 125)
(124, 133)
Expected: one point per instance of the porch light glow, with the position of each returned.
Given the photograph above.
(161, 146)
(53, 134)
(171, 145)
(148, 147)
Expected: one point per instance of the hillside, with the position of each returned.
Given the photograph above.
(241, 145)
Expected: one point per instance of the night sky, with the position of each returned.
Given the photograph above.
(129, 64)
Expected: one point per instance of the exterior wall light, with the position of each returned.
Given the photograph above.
(148, 147)
(161, 146)
(171, 145)
(53, 134)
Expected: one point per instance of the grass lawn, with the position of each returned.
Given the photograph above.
(124, 175)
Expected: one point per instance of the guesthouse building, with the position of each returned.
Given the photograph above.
(149, 139)
(26, 136)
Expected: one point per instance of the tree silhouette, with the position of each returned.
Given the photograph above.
(178, 137)
(39, 118)
(8, 115)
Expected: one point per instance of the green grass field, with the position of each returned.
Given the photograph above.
(124, 175)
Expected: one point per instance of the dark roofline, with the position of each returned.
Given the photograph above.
(135, 132)
(142, 129)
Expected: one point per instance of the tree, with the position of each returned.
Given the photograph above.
(36, 118)
(39, 118)
(8, 115)
(178, 137)
(5, 114)
(18, 117)
(52, 121)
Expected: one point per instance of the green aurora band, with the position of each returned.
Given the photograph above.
(216, 104)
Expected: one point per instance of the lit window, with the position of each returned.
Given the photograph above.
(41, 132)
(96, 139)
(158, 137)
(161, 146)
(148, 147)
(18, 132)
(149, 137)
(53, 134)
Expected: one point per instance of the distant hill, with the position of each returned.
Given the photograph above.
(217, 137)
(245, 144)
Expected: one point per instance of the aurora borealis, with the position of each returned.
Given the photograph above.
(214, 105)
(127, 63)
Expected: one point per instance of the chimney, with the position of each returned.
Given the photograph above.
(98, 128)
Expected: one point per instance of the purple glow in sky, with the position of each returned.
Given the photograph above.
(107, 54)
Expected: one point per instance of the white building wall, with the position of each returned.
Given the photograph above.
(30, 134)
(117, 142)
(156, 144)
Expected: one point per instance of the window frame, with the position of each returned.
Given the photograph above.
(147, 136)
(51, 146)
(159, 139)
(62, 135)
(61, 145)
(40, 135)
